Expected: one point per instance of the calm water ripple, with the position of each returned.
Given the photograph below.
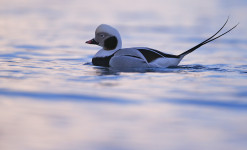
(53, 98)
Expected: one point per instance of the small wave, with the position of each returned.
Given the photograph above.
(31, 47)
(221, 68)
(64, 96)
(209, 103)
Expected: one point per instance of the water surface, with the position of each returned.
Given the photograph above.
(51, 98)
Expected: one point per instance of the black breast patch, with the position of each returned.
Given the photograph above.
(102, 61)
(152, 54)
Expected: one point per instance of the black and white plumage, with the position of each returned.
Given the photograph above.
(113, 55)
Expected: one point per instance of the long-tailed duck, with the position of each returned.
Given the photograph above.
(113, 55)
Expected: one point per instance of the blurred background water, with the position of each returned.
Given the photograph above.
(50, 100)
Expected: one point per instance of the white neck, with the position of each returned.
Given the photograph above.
(103, 53)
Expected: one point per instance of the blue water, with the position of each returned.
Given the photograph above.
(52, 98)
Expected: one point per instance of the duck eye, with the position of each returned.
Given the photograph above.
(102, 35)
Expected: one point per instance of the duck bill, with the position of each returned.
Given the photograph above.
(92, 42)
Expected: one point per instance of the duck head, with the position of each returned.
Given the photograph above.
(106, 37)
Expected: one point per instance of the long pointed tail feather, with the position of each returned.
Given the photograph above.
(212, 38)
